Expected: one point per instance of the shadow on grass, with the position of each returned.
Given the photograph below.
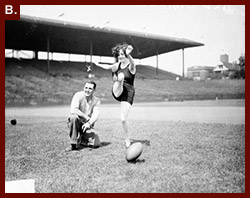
(105, 144)
(138, 161)
(146, 142)
(81, 146)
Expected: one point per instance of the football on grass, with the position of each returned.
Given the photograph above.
(133, 152)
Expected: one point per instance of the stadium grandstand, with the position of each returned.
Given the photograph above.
(47, 81)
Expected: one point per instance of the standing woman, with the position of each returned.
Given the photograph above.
(123, 73)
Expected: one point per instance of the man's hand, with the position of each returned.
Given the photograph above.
(86, 126)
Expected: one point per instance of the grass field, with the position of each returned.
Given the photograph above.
(178, 157)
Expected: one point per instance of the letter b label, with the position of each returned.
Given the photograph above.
(11, 12)
(8, 9)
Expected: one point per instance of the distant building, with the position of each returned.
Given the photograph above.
(200, 72)
(226, 68)
(224, 58)
(223, 70)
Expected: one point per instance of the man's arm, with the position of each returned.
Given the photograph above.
(94, 116)
(95, 113)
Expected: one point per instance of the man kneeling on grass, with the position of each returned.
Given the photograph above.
(84, 112)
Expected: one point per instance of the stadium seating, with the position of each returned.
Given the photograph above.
(28, 82)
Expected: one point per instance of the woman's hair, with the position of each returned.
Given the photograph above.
(117, 48)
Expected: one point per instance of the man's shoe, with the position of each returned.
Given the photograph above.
(72, 148)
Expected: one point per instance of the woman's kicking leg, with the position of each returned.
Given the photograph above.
(118, 85)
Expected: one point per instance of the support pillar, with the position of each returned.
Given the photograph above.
(91, 53)
(48, 49)
(36, 55)
(183, 65)
(157, 62)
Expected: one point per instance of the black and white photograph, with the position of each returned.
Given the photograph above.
(125, 99)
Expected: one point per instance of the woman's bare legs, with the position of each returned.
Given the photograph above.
(125, 106)
(125, 109)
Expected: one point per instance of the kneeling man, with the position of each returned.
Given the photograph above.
(84, 112)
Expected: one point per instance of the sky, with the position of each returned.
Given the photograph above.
(221, 28)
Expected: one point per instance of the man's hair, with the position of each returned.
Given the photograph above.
(90, 82)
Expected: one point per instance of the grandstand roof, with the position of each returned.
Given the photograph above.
(32, 33)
